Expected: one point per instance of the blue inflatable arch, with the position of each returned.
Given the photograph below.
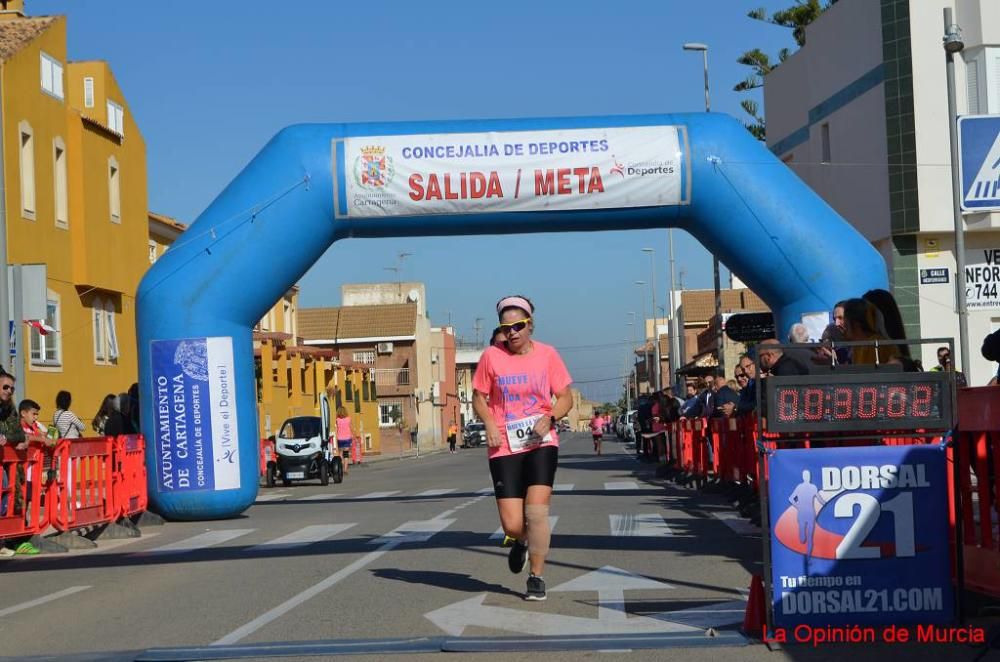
(314, 184)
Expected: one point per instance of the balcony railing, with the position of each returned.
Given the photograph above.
(392, 377)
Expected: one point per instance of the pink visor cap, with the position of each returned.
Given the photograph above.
(515, 302)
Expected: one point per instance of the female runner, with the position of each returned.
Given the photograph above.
(514, 388)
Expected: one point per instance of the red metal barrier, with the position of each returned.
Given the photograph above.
(977, 452)
(129, 479)
(21, 489)
(82, 492)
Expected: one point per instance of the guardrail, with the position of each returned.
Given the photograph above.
(72, 485)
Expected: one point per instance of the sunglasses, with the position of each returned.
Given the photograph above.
(516, 327)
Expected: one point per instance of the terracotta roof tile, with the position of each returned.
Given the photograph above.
(349, 322)
(318, 323)
(17, 33)
(699, 305)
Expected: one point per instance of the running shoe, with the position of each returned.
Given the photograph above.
(508, 541)
(6, 551)
(517, 556)
(26, 548)
(536, 589)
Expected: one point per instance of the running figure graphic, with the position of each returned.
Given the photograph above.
(804, 500)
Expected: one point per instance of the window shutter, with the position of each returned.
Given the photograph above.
(88, 92)
(972, 86)
(57, 79)
(46, 74)
(112, 334)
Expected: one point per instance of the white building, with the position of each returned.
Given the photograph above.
(860, 113)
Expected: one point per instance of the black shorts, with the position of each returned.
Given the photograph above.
(598, 436)
(513, 474)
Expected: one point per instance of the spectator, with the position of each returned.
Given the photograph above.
(838, 316)
(10, 433)
(134, 411)
(68, 425)
(991, 352)
(748, 395)
(724, 395)
(833, 334)
(799, 334)
(741, 379)
(863, 322)
(108, 419)
(778, 362)
(944, 363)
(125, 410)
(892, 324)
(692, 405)
(104, 413)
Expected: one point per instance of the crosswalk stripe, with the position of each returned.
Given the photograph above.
(499, 534)
(317, 497)
(439, 492)
(416, 531)
(377, 495)
(200, 541)
(58, 595)
(647, 525)
(737, 523)
(623, 485)
(563, 487)
(272, 496)
(305, 536)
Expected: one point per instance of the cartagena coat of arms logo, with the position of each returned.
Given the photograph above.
(373, 168)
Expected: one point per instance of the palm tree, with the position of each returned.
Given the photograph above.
(796, 17)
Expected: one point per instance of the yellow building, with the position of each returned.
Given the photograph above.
(74, 176)
(297, 375)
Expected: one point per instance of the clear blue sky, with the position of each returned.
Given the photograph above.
(210, 82)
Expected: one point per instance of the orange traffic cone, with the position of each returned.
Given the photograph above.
(753, 618)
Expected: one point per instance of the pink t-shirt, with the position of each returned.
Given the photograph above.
(596, 424)
(344, 428)
(519, 386)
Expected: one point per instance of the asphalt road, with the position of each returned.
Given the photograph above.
(405, 550)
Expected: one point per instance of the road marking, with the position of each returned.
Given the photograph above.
(200, 541)
(296, 600)
(485, 491)
(610, 584)
(737, 523)
(304, 536)
(416, 531)
(42, 600)
(499, 534)
(647, 525)
(441, 492)
(563, 487)
(377, 495)
(317, 497)
(272, 496)
(623, 485)
(709, 616)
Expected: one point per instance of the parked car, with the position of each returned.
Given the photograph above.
(475, 434)
(621, 423)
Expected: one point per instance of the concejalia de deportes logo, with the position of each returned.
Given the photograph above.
(373, 168)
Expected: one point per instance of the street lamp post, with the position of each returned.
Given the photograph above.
(656, 333)
(675, 345)
(953, 44)
(645, 352)
(719, 347)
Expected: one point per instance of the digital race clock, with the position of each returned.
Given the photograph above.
(859, 402)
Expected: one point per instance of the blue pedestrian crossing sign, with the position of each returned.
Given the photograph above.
(979, 162)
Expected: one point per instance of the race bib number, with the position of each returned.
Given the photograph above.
(521, 434)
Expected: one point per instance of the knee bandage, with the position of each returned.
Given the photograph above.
(539, 533)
